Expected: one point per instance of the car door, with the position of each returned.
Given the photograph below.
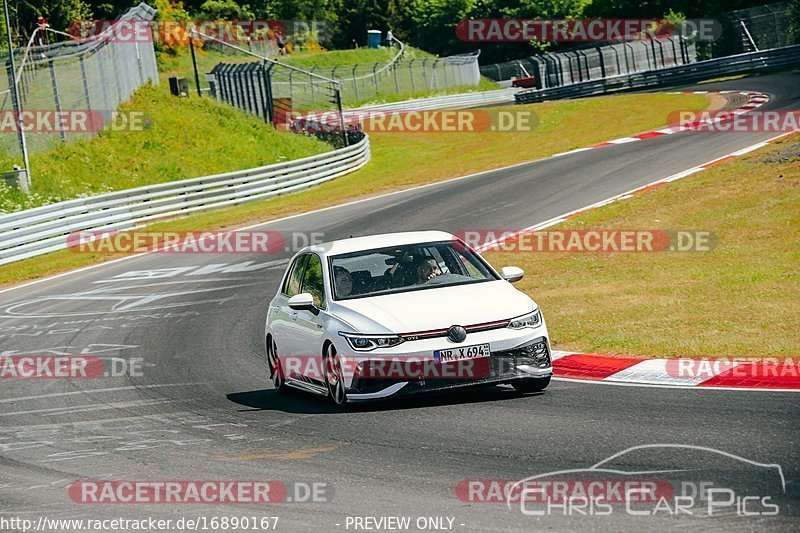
(310, 326)
(283, 319)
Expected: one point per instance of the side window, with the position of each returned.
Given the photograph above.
(312, 280)
(294, 280)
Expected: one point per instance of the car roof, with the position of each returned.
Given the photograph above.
(356, 244)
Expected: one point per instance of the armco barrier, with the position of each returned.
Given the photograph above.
(725, 66)
(45, 229)
(499, 96)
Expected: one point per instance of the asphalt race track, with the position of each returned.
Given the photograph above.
(201, 407)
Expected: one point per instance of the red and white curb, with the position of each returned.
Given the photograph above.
(754, 101)
(767, 374)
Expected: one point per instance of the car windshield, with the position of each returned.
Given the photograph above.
(412, 267)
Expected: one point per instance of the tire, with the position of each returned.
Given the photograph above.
(334, 380)
(274, 366)
(529, 385)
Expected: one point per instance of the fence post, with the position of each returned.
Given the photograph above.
(118, 88)
(269, 104)
(24, 182)
(338, 100)
(602, 62)
(311, 81)
(625, 47)
(139, 64)
(411, 74)
(251, 88)
(86, 95)
(101, 63)
(571, 75)
(616, 57)
(396, 83)
(57, 101)
(194, 66)
(355, 81)
(684, 53)
(375, 77)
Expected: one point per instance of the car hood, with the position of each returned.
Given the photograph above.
(435, 308)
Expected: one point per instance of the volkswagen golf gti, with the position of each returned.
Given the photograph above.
(367, 318)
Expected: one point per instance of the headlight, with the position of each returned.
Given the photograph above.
(365, 343)
(531, 320)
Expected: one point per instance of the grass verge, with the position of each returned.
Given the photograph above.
(739, 299)
(401, 160)
(185, 138)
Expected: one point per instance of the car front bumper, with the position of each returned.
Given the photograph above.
(514, 355)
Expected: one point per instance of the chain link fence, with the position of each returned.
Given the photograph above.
(595, 62)
(754, 29)
(279, 93)
(72, 79)
(375, 82)
(359, 83)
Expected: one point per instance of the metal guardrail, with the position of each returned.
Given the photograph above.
(46, 229)
(500, 96)
(725, 66)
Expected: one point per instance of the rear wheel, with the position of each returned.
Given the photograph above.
(274, 365)
(528, 385)
(334, 378)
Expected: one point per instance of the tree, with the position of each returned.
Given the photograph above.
(434, 23)
(60, 14)
(794, 19)
(225, 10)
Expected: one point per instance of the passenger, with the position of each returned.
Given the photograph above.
(343, 281)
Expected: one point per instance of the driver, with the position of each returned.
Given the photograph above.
(427, 269)
(343, 281)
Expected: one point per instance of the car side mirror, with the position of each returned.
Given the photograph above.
(303, 302)
(512, 274)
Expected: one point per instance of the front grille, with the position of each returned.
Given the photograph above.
(535, 354)
(501, 365)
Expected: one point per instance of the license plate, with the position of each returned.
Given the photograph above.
(461, 353)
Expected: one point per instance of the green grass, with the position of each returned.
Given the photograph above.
(738, 300)
(186, 138)
(401, 160)
(335, 58)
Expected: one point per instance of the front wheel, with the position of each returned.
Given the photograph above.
(334, 378)
(528, 385)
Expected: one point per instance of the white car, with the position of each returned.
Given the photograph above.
(366, 318)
